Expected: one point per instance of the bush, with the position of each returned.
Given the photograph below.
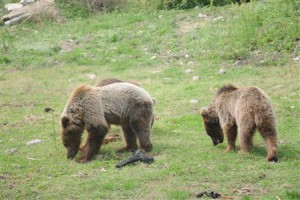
(83, 8)
(183, 4)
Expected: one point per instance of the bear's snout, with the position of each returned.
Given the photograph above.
(215, 141)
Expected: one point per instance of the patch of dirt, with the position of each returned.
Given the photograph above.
(259, 58)
(68, 45)
(187, 26)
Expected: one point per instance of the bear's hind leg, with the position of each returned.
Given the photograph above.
(268, 132)
(95, 138)
(231, 133)
(246, 132)
(130, 139)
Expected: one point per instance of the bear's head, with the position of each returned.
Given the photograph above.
(212, 124)
(71, 135)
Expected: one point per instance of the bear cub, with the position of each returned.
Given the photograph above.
(240, 111)
(95, 108)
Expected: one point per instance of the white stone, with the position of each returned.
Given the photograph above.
(188, 71)
(195, 78)
(91, 76)
(36, 141)
(24, 2)
(10, 151)
(218, 18)
(200, 15)
(222, 71)
(194, 101)
(190, 63)
(12, 6)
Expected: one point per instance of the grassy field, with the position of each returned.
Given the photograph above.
(41, 64)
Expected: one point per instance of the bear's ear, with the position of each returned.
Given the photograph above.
(204, 112)
(65, 120)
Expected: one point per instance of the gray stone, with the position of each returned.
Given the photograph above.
(18, 19)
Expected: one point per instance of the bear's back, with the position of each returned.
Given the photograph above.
(121, 98)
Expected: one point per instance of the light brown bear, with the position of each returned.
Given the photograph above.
(240, 111)
(95, 108)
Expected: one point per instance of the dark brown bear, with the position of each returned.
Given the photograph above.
(95, 108)
(239, 111)
(108, 81)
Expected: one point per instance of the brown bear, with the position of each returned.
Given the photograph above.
(240, 111)
(108, 81)
(95, 108)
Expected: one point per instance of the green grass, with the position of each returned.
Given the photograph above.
(155, 49)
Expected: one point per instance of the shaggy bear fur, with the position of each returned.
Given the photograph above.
(240, 111)
(108, 81)
(95, 108)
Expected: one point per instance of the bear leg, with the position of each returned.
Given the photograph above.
(95, 138)
(246, 131)
(142, 129)
(268, 132)
(130, 139)
(231, 133)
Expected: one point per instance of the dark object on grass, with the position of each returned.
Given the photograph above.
(138, 155)
(48, 109)
(209, 193)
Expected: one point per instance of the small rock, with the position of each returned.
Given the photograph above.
(194, 101)
(218, 18)
(10, 151)
(195, 78)
(156, 71)
(190, 63)
(297, 58)
(12, 6)
(16, 20)
(188, 71)
(180, 62)
(91, 76)
(200, 15)
(222, 71)
(236, 63)
(36, 141)
(186, 56)
(24, 2)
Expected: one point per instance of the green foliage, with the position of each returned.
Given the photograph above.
(192, 3)
(257, 27)
(84, 8)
